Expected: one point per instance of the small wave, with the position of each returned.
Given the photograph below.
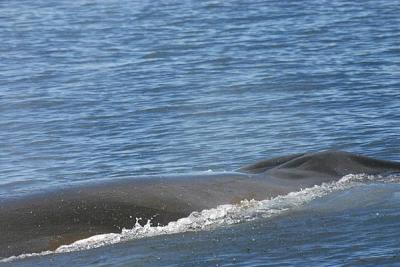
(246, 210)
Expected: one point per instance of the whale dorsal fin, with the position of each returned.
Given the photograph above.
(330, 163)
(264, 165)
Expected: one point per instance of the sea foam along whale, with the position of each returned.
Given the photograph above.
(44, 221)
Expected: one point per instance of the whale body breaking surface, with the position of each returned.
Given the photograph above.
(45, 221)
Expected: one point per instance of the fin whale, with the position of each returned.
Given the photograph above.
(44, 221)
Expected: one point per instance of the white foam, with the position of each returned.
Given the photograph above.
(246, 210)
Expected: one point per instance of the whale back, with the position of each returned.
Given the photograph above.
(47, 220)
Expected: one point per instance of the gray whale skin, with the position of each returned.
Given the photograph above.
(43, 221)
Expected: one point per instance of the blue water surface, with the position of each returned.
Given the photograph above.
(98, 90)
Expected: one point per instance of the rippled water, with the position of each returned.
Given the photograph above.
(93, 90)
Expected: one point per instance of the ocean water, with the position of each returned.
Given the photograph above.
(99, 90)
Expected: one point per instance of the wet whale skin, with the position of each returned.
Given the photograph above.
(44, 221)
